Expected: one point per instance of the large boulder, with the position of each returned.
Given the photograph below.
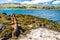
(41, 34)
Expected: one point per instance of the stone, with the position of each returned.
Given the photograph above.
(41, 34)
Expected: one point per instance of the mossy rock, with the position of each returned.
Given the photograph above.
(6, 33)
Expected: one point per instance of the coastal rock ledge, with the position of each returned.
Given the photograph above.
(40, 34)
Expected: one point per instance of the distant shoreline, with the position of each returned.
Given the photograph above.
(27, 6)
(29, 9)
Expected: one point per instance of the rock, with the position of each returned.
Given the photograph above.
(41, 34)
(58, 36)
(2, 27)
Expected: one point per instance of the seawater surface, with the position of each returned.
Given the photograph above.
(49, 14)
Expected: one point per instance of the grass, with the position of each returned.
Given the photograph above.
(24, 21)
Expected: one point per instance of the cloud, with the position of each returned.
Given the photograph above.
(56, 2)
(29, 2)
(6, 1)
(36, 1)
(42, 0)
(9, 0)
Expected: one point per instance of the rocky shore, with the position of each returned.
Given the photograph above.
(40, 34)
(35, 28)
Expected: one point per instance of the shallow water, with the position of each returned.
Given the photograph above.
(49, 14)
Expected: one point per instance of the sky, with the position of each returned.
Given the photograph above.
(44, 2)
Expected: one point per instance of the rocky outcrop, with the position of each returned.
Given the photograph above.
(41, 34)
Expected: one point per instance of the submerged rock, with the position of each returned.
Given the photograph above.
(41, 34)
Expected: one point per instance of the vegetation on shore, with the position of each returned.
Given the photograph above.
(26, 22)
(26, 6)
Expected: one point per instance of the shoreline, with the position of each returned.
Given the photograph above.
(29, 9)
